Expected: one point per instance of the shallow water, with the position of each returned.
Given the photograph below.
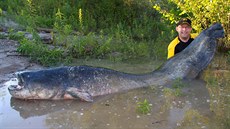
(199, 106)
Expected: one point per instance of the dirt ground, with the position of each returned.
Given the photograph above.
(11, 61)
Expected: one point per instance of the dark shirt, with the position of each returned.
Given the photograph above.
(182, 45)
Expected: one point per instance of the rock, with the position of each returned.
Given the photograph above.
(45, 37)
(6, 24)
(11, 61)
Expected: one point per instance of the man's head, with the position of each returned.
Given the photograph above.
(184, 28)
(184, 21)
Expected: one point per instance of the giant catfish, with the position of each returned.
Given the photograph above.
(86, 82)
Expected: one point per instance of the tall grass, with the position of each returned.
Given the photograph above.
(115, 29)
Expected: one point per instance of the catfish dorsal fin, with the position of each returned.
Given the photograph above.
(78, 93)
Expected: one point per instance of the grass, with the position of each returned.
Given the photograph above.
(144, 107)
(40, 53)
(176, 89)
(172, 92)
(217, 78)
(137, 33)
(84, 46)
(15, 36)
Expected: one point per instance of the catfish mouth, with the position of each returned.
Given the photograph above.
(16, 84)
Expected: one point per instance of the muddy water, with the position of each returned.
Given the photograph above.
(203, 104)
(113, 111)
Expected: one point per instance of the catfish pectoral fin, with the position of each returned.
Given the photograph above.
(77, 93)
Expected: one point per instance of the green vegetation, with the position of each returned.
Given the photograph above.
(172, 92)
(212, 11)
(177, 85)
(144, 107)
(0, 11)
(15, 36)
(40, 53)
(114, 29)
(194, 119)
(218, 81)
(118, 30)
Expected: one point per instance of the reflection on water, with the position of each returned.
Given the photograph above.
(202, 105)
(31, 108)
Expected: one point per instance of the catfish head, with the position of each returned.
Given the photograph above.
(28, 85)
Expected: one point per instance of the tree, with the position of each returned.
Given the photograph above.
(203, 13)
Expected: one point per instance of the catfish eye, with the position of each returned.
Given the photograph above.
(20, 83)
(20, 80)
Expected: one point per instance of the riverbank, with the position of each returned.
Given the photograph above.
(12, 61)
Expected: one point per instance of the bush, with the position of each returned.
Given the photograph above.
(40, 53)
(98, 29)
(212, 11)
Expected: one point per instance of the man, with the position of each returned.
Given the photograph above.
(184, 38)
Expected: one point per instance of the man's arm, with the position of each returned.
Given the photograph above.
(171, 47)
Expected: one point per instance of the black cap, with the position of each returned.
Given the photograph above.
(184, 21)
